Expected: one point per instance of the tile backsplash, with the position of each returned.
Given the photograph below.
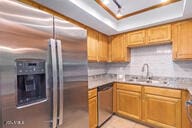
(158, 57)
(97, 68)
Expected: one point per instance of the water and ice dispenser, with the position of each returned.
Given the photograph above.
(31, 81)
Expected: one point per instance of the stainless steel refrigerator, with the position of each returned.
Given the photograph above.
(43, 70)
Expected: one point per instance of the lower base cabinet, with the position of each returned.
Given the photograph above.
(154, 106)
(132, 95)
(162, 111)
(92, 108)
(184, 118)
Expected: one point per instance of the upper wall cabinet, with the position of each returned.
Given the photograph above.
(119, 51)
(159, 34)
(102, 48)
(151, 36)
(182, 40)
(136, 38)
(97, 46)
(92, 42)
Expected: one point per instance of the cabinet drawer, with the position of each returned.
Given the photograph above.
(129, 87)
(92, 93)
(163, 92)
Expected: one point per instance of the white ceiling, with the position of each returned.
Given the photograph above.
(92, 14)
(130, 6)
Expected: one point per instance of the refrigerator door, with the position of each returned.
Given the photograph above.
(24, 36)
(73, 110)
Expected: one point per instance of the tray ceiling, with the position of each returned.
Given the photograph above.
(90, 13)
(132, 7)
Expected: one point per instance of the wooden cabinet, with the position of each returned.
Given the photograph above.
(158, 107)
(128, 101)
(97, 46)
(92, 94)
(159, 34)
(184, 118)
(162, 107)
(102, 48)
(119, 51)
(92, 44)
(182, 40)
(150, 36)
(136, 38)
(93, 112)
(162, 111)
(110, 49)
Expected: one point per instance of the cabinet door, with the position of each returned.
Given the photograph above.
(161, 111)
(160, 34)
(103, 48)
(185, 121)
(119, 49)
(92, 42)
(136, 38)
(93, 112)
(182, 40)
(129, 104)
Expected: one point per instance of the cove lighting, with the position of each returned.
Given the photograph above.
(164, 1)
(105, 2)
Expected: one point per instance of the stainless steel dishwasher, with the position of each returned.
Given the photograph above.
(105, 103)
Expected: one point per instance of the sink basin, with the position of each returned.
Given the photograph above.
(157, 82)
(148, 81)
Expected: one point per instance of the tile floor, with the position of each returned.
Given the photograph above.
(118, 122)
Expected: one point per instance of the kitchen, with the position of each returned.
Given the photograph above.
(97, 65)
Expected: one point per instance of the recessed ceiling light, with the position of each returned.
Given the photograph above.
(105, 2)
(119, 15)
(164, 0)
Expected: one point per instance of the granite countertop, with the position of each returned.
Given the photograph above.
(99, 80)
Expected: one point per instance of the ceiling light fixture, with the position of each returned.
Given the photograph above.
(119, 9)
(119, 13)
(105, 2)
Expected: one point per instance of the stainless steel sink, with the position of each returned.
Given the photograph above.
(148, 81)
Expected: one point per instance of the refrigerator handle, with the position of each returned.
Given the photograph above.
(60, 72)
(52, 45)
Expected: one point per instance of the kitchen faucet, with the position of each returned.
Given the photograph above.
(143, 69)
